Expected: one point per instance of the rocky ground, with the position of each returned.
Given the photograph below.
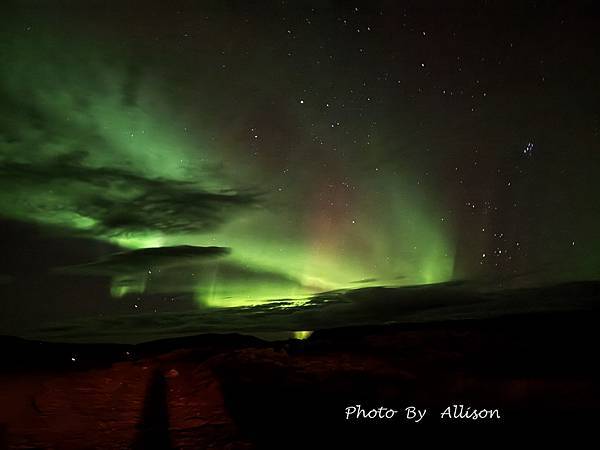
(237, 392)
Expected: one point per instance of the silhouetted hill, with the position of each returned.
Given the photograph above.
(234, 391)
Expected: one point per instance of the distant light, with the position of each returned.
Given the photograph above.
(302, 334)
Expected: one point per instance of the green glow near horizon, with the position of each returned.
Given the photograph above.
(302, 334)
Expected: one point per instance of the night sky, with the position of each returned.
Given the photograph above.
(215, 158)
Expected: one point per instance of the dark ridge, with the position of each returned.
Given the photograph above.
(535, 318)
(211, 342)
(582, 297)
(21, 354)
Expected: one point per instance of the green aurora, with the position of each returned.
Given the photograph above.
(75, 146)
(292, 156)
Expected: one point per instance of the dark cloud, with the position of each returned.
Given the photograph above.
(31, 249)
(118, 201)
(378, 305)
(140, 260)
(68, 156)
(177, 270)
(365, 280)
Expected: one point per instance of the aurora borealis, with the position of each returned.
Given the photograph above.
(227, 154)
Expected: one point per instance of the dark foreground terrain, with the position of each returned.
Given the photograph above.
(238, 392)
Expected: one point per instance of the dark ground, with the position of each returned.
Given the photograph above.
(238, 392)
